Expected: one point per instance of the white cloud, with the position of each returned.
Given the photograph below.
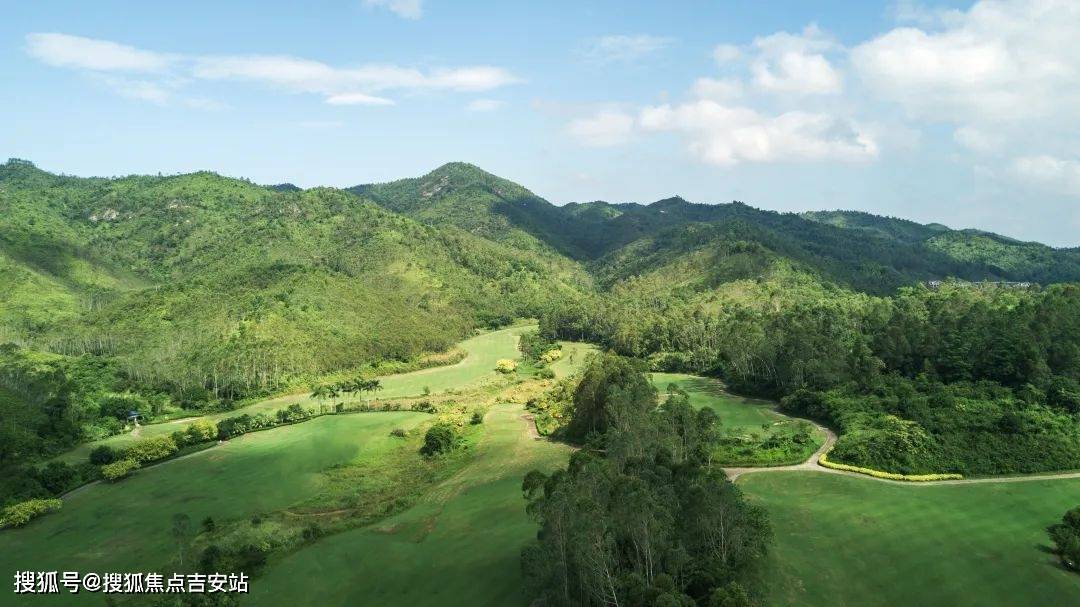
(357, 85)
(357, 99)
(308, 76)
(724, 89)
(605, 128)
(723, 135)
(1056, 174)
(726, 53)
(1002, 60)
(484, 105)
(790, 63)
(407, 9)
(977, 140)
(62, 50)
(624, 48)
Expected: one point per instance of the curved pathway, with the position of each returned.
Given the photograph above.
(813, 464)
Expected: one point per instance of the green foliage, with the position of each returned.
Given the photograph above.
(534, 346)
(1066, 538)
(150, 449)
(613, 393)
(17, 515)
(646, 521)
(103, 454)
(119, 469)
(440, 439)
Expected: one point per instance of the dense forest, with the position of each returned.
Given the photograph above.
(640, 516)
(930, 349)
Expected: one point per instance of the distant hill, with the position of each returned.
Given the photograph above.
(202, 280)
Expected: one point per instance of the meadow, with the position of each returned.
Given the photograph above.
(482, 351)
(754, 433)
(460, 545)
(849, 541)
(125, 526)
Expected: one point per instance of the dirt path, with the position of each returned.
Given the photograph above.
(813, 464)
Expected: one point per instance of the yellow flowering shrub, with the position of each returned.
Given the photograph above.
(893, 476)
(506, 365)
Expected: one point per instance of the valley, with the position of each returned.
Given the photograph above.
(446, 390)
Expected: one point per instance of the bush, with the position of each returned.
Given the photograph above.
(824, 461)
(424, 406)
(477, 418)
(200, 432)
(550, 356)
(506, 365)
(398, 432)
(151, 449)
(545, 373)
(1066, 538)
(119, 469)
(17, 515)
(440, 438)
(57, 477)
(103, 454)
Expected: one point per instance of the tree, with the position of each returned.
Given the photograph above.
(1066, 538)
(440, 438)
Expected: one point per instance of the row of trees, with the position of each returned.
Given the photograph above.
(357, 385)
(640, 516)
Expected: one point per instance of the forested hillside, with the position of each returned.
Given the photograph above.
(198, 290)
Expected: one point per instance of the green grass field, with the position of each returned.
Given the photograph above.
(475, 369)
(125, 526)
(460, 545)
(843, 541)
(743, 419)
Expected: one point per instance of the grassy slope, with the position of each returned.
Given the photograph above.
(847, 541)
(460, 546)
(125, 526)
(477, 367)
(739, 416)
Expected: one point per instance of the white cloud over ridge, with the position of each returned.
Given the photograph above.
(725, 136)
(338, 85)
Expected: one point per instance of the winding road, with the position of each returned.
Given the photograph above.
(813, 464)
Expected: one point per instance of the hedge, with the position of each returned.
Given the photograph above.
(893, 476)
(119, 469)
(17, 515)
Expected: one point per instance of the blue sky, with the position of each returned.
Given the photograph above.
(957, 112)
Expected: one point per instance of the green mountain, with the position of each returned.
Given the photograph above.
(201, 282)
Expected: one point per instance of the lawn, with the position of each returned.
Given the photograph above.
(754, 433)
(476, 368)
(460, 545)
(850, 541)
(125, 526)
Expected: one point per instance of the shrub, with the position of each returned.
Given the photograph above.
(398, 432)
(550, 356)
(312, 532)
(17, 515)
(1066, 538)
(506, 365)
(545, 373)
(119, 469)
(440, 438)
(477, 418)
(200, 432)
(824, 461)
(103, 454)
(424, 406)
(56, 477)
(151, 449)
